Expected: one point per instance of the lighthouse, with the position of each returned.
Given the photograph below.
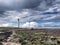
(18, 23)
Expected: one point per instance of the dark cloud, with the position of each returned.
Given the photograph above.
(50, 2)
(45, 4)
(18, 4)
(50, 13)
(22, 4)
(2, 13)
(7, 5)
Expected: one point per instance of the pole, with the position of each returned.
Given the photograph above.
(18, 23)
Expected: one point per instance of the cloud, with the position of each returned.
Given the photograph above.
(23, 15)
(29, 11)
(45, 4)
(22, 4)
(52, 13)
(18, 4)
(6, 25)
(30, 25)
(27, 15)
(52, 10)
(41, 25)
(50, 24)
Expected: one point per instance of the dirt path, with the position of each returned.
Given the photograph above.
(10, 43)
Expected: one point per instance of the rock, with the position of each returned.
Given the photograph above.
(1, 43)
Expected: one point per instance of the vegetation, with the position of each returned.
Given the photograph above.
(34, 38)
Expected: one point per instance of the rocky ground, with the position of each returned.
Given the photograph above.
(10, 40)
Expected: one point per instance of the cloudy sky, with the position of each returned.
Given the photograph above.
(32, 13)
